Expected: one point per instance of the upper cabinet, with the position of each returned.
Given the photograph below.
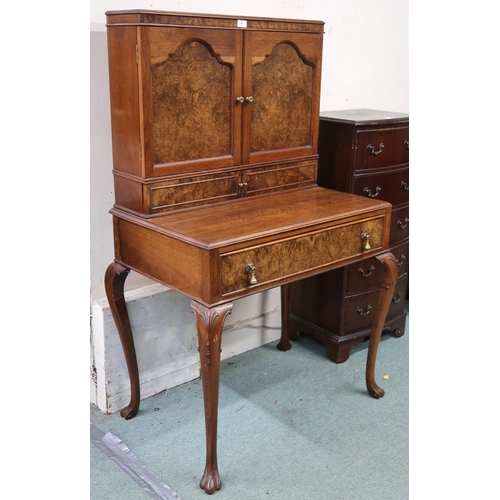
(211, 95)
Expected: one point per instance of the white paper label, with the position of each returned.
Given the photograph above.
(241, 23)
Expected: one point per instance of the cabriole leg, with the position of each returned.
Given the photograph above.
(387, 284)
(114, 280)
(209, 323)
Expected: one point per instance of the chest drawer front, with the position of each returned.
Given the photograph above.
(392, 186)
(359, 311)
(402, 255)
(192, 191)
(299, 254)
(398, 297)
(400, 224)
(377, 148)
(365, 276)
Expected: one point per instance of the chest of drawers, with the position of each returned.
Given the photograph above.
(364, 152)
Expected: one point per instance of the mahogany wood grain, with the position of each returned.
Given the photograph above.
(393, 152)
(381, 185)
(400, 224)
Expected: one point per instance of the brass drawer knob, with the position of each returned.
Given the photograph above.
(365, 237)
(250, 269)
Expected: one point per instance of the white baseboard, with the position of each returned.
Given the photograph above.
(164, 331)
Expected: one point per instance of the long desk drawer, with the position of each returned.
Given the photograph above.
(296, 255)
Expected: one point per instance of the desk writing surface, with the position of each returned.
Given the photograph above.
(248, 219)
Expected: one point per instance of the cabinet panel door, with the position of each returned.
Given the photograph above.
(191, 78)
(282, 74)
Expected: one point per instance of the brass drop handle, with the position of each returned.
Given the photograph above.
(402, 225)
(365, 237)
(240, 99)
(372, 149)
(250, 269)
(366, 312)
(365, 274)
(369, 193)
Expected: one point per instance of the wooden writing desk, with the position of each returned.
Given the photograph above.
(213, 254)
(216, 193)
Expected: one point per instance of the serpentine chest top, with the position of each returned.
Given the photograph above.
(215, 138)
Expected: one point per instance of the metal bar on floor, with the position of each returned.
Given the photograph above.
(113, 447)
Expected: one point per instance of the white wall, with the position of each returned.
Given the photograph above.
(365, 65)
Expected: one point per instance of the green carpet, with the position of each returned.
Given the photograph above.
(292, 425)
